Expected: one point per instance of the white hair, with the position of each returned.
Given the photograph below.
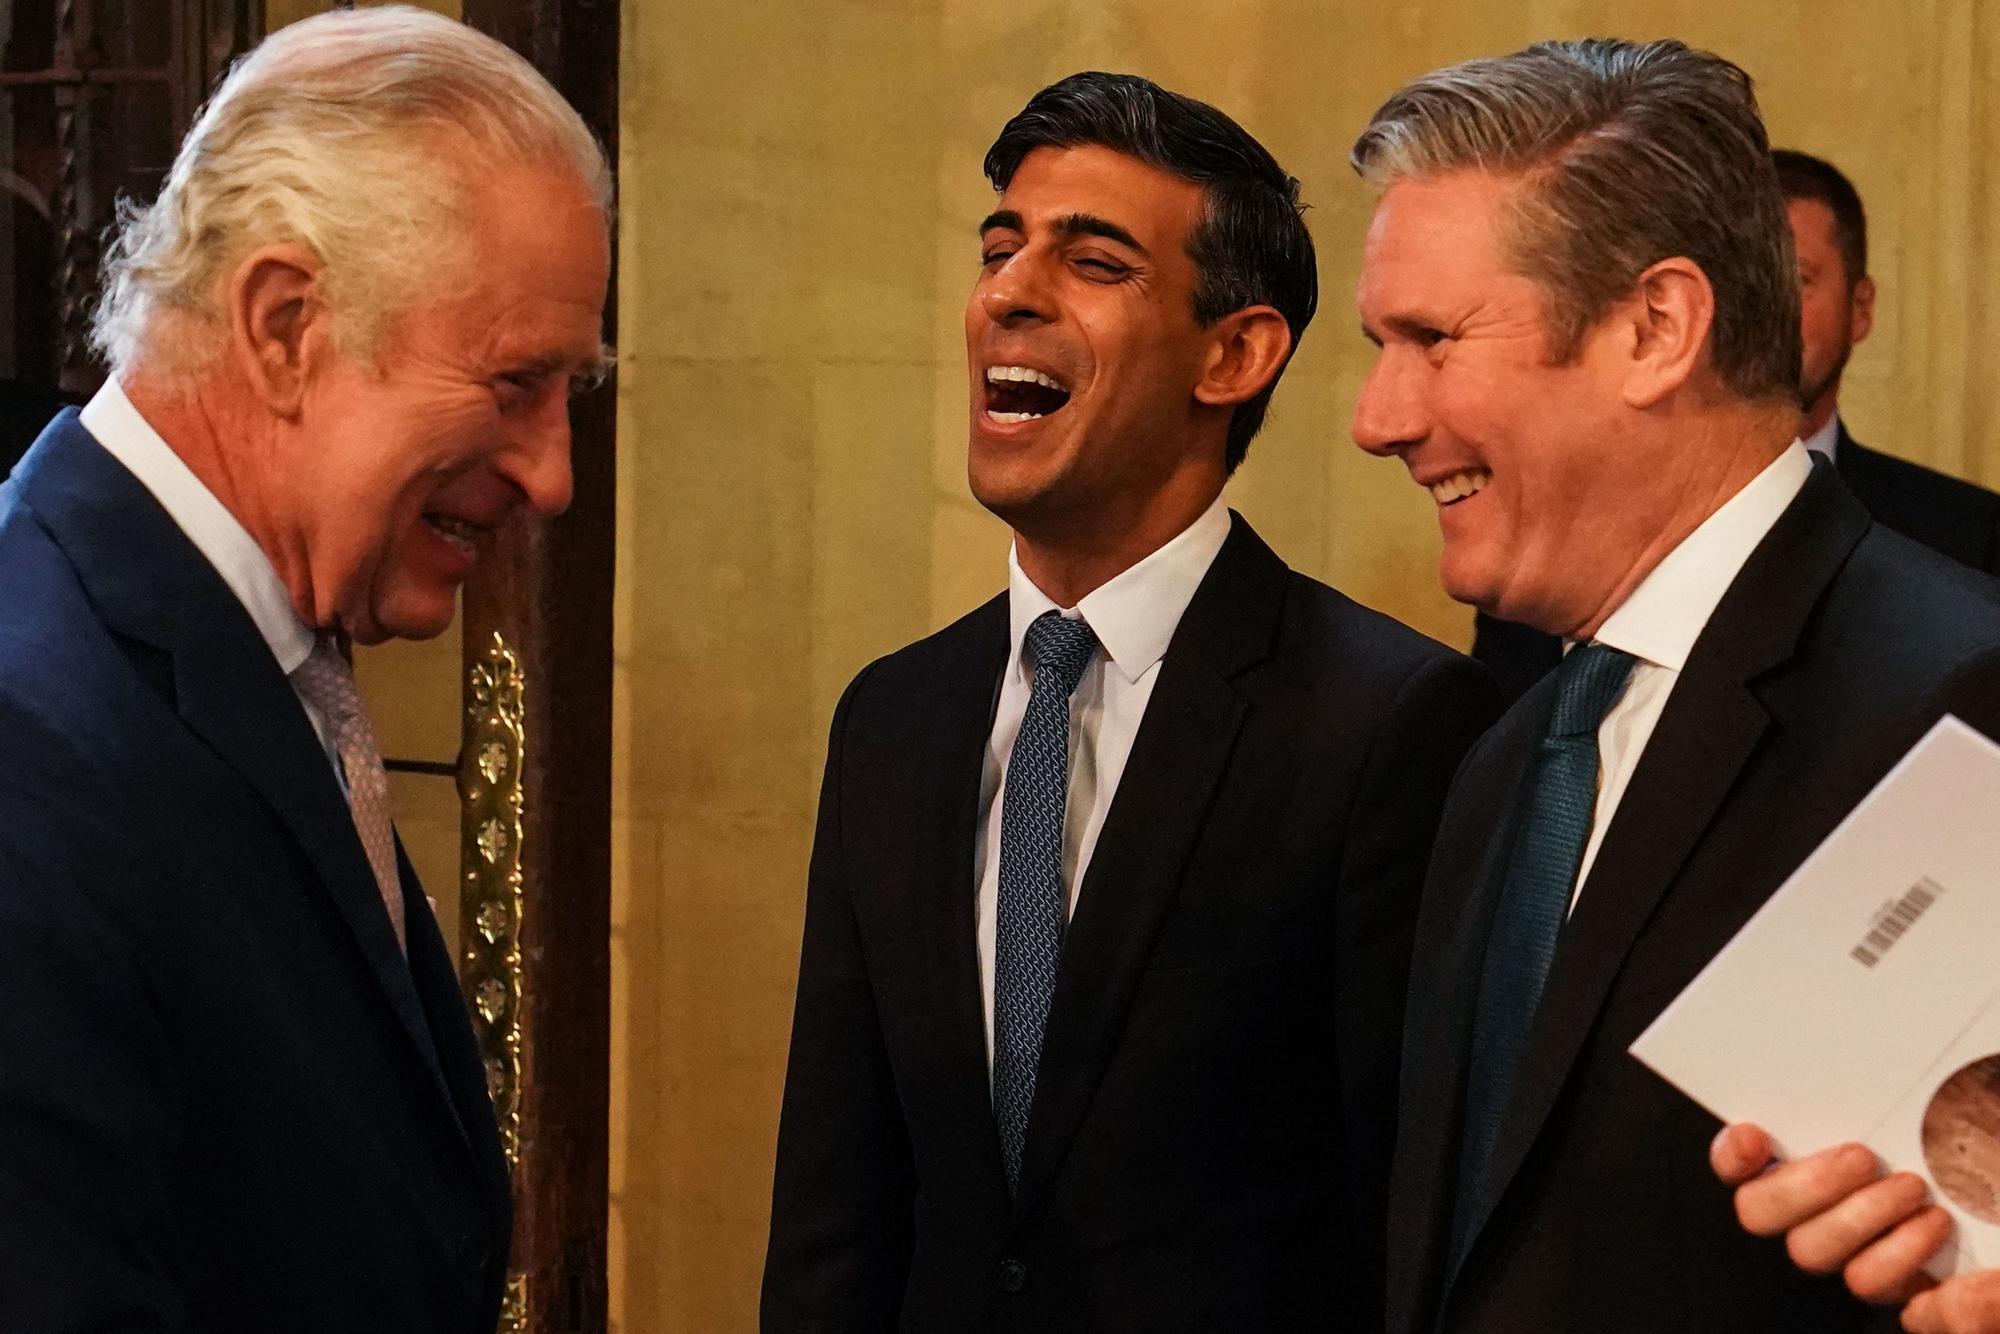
(338, 133)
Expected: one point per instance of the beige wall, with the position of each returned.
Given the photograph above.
(800, 184)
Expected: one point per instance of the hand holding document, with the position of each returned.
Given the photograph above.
(1872, 980)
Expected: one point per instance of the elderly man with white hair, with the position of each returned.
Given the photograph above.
(238, 1090)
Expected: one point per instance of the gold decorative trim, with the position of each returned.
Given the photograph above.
(491, 900)
(514, 1310)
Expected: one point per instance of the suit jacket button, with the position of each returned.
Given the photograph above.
(1013, 1276)
(471, 1255)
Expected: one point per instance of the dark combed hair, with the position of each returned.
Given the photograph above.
(1251, 246)
(1803, 176)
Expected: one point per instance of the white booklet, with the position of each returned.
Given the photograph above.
(1862, 1002)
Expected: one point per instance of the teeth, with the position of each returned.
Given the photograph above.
(1460, 485)
(1021, 374)
(456, 529)
(1011, 417)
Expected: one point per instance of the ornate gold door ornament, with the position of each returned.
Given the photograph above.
(491, 898)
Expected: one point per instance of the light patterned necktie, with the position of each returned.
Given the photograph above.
(325, 681)
(1033, 901)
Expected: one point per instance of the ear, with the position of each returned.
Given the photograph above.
(278, 320)
(1247, 348)
(1861, 310)
(1672, 311)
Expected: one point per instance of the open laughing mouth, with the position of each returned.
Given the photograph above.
(1021, 394)
(1447, 491)
(460, 534)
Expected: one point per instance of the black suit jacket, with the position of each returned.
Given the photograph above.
(1208, 1144)
(227, 1101)
(1834, 650)
(1945, 514)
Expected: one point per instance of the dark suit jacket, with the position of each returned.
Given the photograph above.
(1208, 1144)
(1834, 650)
(227, 1103)
(1945, 514)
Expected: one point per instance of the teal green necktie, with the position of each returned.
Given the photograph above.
(1534, 901)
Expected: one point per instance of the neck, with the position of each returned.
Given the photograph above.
(1735, 451)
(1820, 411)
(1070, 561)
(195, 422)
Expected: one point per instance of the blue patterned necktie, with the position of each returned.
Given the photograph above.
(1028, 924)
(1534, 900)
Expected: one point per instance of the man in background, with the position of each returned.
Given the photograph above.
(1108, 919)
(1583, 286)
(1837, 311)
(238, 1089)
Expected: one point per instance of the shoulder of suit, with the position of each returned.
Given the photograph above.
(1322, 620)
(1898, 577)
(945, 657)
(72, 701)
(50, 636)
(1934, 486)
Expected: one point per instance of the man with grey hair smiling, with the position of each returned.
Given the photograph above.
(238, 1090)
(1581, 281)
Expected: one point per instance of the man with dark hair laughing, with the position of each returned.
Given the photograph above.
(1110, 904)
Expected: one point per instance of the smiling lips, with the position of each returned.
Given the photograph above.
(1450, 490)
(1022, 393)
(462, 534)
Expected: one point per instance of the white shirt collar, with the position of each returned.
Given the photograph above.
(226, 544)
(1826, 440)
(1135, 614)
(1665, 614)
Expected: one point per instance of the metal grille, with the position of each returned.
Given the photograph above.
(94, 96)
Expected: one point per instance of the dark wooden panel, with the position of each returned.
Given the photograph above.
(102, 91)
(547, 590)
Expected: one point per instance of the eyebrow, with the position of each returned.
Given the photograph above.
(592, 368)
(1403, 326)
(1069, 225)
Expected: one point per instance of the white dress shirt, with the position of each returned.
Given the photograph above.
(1659, 623)
(1826, 440)
(1134, 617)
(214, 531)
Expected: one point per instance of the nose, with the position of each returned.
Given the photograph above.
(1017, 292)
(1391, 414)
(537, 463)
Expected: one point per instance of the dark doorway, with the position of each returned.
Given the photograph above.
(94, 96)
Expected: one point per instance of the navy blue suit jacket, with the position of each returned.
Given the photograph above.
(227, 1101)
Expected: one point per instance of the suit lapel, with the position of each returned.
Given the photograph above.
(1707, 733)
(150, 583)
(1461, 893)
(1177, 759)
(951, 731)
(460, 1064)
